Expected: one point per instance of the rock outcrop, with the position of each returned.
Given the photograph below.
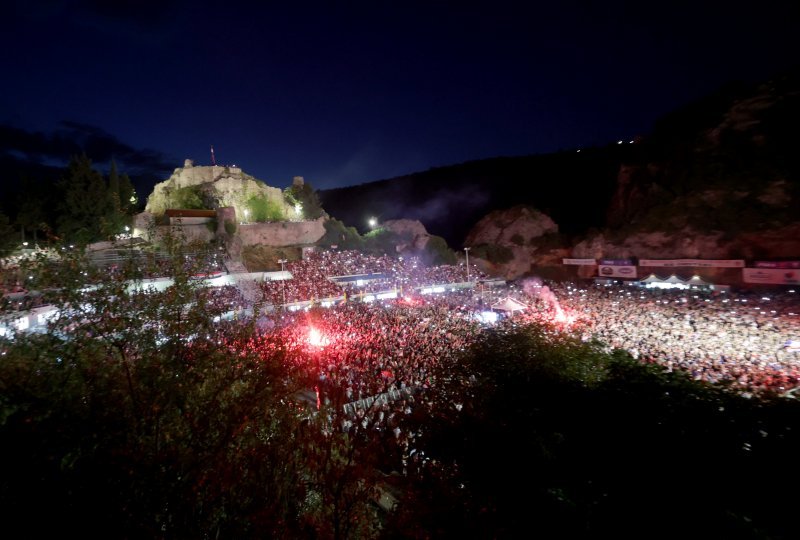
(214, 187)
(513, 242)
(413, 230)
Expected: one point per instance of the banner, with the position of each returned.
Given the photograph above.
(609, 270)
(617, 262)
(700, 263)
(580, 262)
(772, 276)
(777, 264)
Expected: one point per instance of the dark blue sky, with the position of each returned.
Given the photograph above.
(349, 93)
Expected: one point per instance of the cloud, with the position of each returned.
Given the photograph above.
(73, 138)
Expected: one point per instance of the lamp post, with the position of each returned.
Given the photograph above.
(466, 253)
(283, 278)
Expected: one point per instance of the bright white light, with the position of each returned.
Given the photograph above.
(298, 208)
(316, 339)
(487, 317)
(373, 222)
(619, 142)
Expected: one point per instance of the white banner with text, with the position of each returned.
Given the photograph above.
(771, 276)
(700, 263)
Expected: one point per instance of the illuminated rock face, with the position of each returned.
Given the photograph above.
(216, 186)
(226, 190)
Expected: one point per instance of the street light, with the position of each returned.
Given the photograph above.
(466, 252)
(373, 222)
(283, 278)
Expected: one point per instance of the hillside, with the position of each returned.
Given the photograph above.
(572, 187)
(721, 168)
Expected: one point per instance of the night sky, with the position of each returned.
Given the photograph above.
(348, 92)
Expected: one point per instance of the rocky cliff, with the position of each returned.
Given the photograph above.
(727, 163)
(717, 179)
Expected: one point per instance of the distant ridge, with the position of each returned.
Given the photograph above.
(572, 187)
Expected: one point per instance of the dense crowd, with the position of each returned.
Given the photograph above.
(743, 338)
(310, 276)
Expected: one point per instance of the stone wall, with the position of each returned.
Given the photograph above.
(284, 233)
(191, 233)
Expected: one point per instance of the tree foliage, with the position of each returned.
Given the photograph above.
(89, 210)
(135, 415)
(263, 208)
(308, 198)
(187, 197)
(536, 434)
(437, 252)
(8, 236)
(340, 235)
(494, 253)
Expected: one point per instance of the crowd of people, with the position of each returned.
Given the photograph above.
(749, 340)
(372, 361)
(310, 277)
(745, 338)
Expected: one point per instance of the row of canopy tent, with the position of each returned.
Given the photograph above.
(674, 281)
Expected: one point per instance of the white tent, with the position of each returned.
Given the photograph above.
(652, 278)
(509, 305)
(697, 281)
(672, 282)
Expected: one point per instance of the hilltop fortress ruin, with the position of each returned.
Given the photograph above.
(208, 203)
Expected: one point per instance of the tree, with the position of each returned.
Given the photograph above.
(135, 415)
(85, 204)
(127, 195)
(31, 203)
(8, 236)
(116, 217)
(308, 199)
